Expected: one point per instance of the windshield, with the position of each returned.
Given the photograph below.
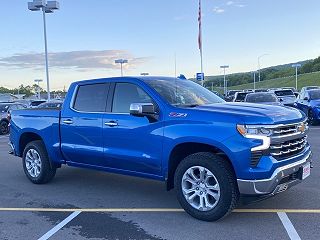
(315, 94)
(284, 93)
(4, 108)
(183, 92)
(258, 98)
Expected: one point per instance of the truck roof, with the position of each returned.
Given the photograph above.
(139, 78)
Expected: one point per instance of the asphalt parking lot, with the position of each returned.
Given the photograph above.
(84, 204)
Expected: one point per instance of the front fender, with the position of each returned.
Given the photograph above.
(199, 132)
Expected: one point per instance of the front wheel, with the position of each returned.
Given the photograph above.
(4, 128)
(206, 186)
(36, 163)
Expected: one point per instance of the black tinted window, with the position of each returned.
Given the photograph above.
(125, 94)
(241, 96)
(284, 93)
(91, 98)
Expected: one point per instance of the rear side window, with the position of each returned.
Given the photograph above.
(91, 98)
(127, 93)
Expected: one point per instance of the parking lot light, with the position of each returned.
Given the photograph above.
(297, 65)
(254, 80)
(224, 78)
(46, 7)
(121, 62)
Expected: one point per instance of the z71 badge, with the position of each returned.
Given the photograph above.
(175, 114)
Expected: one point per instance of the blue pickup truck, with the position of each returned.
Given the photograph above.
(172, 130)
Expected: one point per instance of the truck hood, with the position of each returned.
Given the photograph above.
(251, 113)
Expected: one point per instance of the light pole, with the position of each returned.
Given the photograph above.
(224, 78)
(37, 81)
(254, 80)
(297, 65)
(121, 61)
(259, 64)
(46, 7)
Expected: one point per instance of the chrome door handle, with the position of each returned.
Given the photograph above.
(111, 124)
(67, 121)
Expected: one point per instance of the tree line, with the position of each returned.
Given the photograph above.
(280, 71)
(28, 90)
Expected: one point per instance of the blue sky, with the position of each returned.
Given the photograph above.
(85, 36)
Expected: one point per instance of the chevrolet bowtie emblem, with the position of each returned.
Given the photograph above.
(302, 127)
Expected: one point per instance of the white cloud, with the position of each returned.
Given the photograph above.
(79, 60)
(218, 10)
(229, 3)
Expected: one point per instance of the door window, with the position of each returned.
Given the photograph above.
(127, 93)
(91, 98)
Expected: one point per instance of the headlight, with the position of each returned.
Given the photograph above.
(256, 132)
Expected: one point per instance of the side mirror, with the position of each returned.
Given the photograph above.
(306, 98)
(142, 109)
(281, 100)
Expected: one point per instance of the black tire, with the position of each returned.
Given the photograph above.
(47, 172)
(4, 128)
(221, 169)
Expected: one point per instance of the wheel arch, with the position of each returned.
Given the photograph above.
(26, 138)
(182, 150)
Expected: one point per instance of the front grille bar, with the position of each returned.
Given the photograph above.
(290, 144)
(289, 150)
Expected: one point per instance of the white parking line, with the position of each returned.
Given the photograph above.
(288, 226)
(60, 225)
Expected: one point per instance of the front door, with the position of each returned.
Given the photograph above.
(132, 143)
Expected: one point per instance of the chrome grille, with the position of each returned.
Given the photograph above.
(288, 148)
(284, 130)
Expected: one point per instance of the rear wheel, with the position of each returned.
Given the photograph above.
(36, 163)
(206, 186)
(4, 127)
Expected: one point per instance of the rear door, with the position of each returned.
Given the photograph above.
(81, 125)
(131, 143)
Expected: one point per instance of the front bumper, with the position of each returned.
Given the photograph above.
(282, 178)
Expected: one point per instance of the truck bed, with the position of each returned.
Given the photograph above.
(41, 122)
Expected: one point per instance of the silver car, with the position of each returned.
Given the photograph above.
(285, 96)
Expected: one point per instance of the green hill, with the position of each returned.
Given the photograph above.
(308, 79)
